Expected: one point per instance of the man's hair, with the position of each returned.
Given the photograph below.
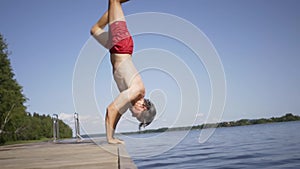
(147, 115)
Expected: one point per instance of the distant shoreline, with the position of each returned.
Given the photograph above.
(242, 122)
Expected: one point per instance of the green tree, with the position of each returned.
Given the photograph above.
(15, 122)
(12, 109)
(65, 131)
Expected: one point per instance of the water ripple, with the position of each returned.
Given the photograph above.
(258, 146)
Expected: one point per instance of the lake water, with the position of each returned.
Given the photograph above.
(275, 145)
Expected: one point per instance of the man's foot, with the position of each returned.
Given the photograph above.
(115, 141)
(123, 1)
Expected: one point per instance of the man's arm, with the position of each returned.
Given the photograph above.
(98, 31)
(113, 114)
(111, 120)
(118, 107)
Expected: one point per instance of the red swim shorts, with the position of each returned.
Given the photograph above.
(120, 40)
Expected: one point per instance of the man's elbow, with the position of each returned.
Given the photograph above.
(140, 92)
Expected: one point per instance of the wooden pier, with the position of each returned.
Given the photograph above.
(72, 154)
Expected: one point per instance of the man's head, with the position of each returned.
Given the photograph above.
(144, 110)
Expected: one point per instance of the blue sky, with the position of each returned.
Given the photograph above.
(258, 42)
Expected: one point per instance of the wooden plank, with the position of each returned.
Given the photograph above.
(67, 155)
(125, 162)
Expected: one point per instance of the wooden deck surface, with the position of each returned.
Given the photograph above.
(48, 155)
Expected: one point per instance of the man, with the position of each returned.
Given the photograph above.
(132, 91)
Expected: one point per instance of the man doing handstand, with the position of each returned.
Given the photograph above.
(132, 91)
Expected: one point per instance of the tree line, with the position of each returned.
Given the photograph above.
(15, 122)
(243, 122)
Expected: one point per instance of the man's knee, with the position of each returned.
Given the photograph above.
(94, 29)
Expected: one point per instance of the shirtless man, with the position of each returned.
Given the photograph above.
(132, 91)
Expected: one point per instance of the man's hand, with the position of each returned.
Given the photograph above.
(115, 141)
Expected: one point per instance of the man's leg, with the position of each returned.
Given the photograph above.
(101, 23)
(115, 11)
(98, 29)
